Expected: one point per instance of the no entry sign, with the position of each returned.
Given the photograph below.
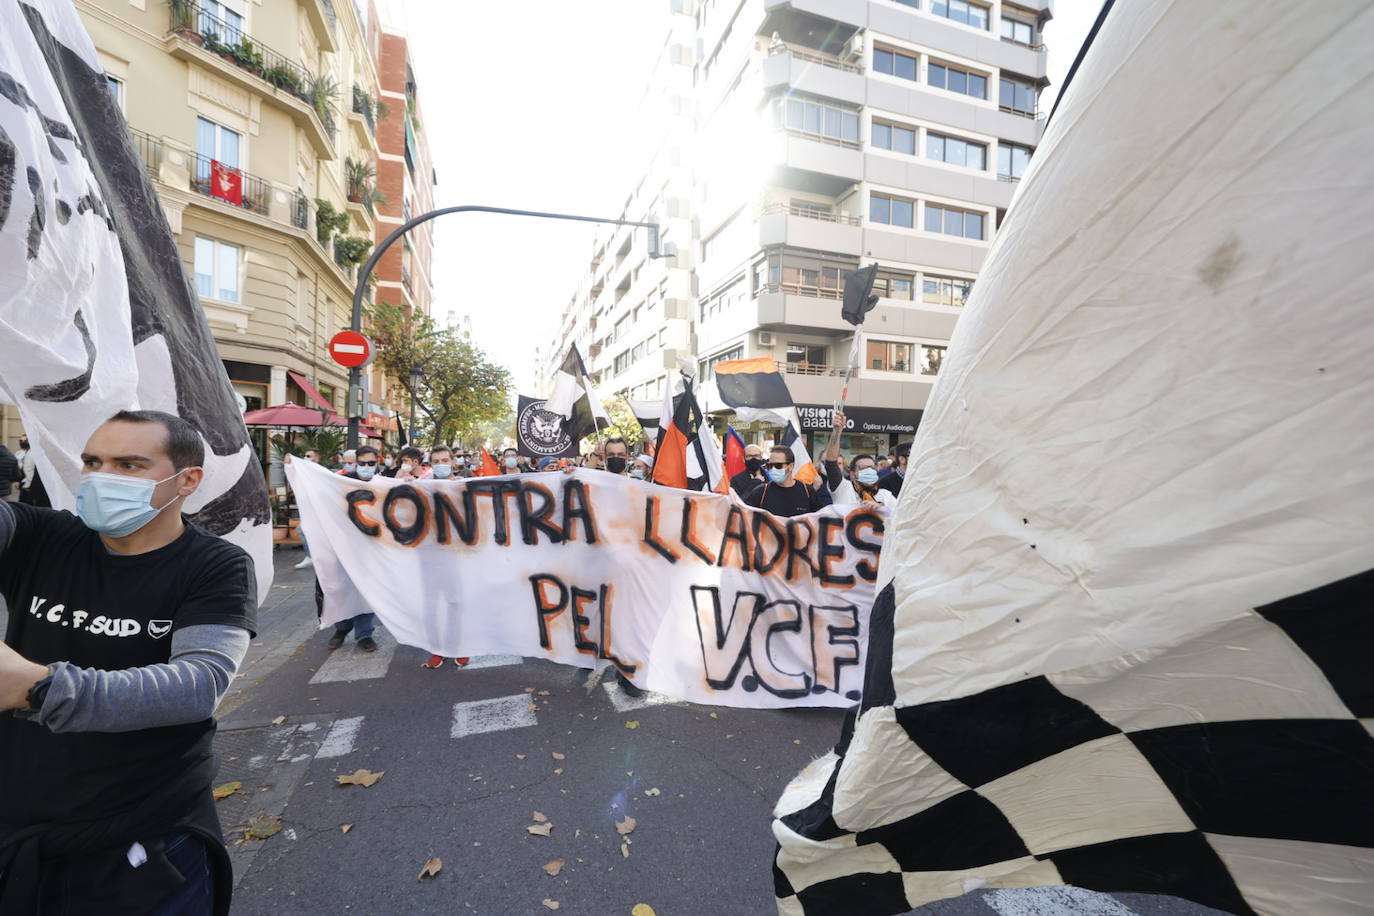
(349, 348)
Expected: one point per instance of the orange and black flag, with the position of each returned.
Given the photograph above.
(687, 455)
(757, 392)
(488, 467)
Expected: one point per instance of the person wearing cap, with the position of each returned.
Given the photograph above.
(643, 467)
(549, 463)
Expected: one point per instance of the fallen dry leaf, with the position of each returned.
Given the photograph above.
(540, 829)
(551, 904)
(226, 790)
(431, 868)
(626, 826)
(529, 690)
(652, 793)
(558, 756)
(279, 720)
(633, 723)
(554, 866)
(796, 741)
(534, 708)
(519, 756)
(346, 827)
(625, 850)
(360, 778)
(642, 909)
(545, 693)
(262, 826)
(714, 716)
(558, 771)
(539, 816)
(727, 737)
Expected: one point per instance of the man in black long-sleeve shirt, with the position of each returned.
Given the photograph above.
(782, 494)
(892, 481)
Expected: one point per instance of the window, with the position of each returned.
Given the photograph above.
(964, 82)
(1020, 32)
(961, 11)
(1017, 96)
(931, 358)
(894, 63)
(230, 16)
(809, 276)
(893, 286)
(956, 151)
(914, 4)
(620, 327)
(217, 270)
(945, 290)
(622, 362)
(897, 139)
(1012, 160)
(894, 211)
(760, 277)
(949, 221)
(214, 142)
(735, 353)
(116, 87)
(802, 356)
(813, 117)
(884, 356)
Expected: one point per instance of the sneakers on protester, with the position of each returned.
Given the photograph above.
(307, 563)
(627, 686)
(336, 639)
(367, 644)
(462, 662)
(435, 661)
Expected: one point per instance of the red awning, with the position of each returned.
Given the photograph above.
(310, 390)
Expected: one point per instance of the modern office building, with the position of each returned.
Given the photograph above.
(802, 139)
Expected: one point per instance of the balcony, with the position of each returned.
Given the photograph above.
(816, 309)
(199, 37)
(816, 73)
(363, 114)
(325, 22)
(256, 192)
(805, 368)
(809, 228)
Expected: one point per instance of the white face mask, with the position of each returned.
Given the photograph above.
(511, 462)
(118, 505)
(441, 470)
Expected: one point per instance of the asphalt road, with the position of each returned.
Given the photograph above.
(468, 757)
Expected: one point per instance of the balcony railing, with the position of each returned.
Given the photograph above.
(802, 289)
(229, 41)
(843, 219)
(805, 368)
(300, 211)
(1021, 112)
(821, 138)
(811, 56)
(363, 105)
(255, 191)
(149, 150)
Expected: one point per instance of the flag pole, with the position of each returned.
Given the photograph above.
(849, 370)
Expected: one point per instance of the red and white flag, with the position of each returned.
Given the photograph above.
(226, 183)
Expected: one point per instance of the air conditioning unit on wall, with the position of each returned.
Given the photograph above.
(854, 47)
(764, 338)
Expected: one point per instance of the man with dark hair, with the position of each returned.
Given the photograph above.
(510, 461)
(412, 465)
(126, 626)
(361, 625)
(746, 480)
(782, 494)
(892, 481)
(617, 455)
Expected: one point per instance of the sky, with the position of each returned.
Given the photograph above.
(531, 106)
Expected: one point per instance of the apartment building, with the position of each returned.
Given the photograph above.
(803, 139)
(406, 178)
(255, 123)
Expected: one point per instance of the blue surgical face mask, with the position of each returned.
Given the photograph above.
(511, 462)
(441, 470)
(637, 474)
(117, 505)
(777, 475)
(348, 466)
(387, 462)
(867, 476)
(366, 471)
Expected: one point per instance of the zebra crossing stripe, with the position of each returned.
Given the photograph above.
(339, 740)
(623, 702)
(477, 717)
(349, 663)
(495, 661)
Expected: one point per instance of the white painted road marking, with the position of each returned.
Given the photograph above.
(495, 661)
(341, 736)
(349, 663)
(1054, 901)
(623, 702)
(497, 715)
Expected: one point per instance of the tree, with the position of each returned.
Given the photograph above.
(458, 390)
(623, 424)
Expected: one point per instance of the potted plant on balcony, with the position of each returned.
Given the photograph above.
(358, 176)
(350, 250)
(184, 20)
(328, 221)
(373, 198)
(321, 93)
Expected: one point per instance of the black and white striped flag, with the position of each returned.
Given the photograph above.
(574, 398)
(1126, 609)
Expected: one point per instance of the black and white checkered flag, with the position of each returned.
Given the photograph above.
(1125, 636)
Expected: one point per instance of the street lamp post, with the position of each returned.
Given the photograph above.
(355, 373)
(415, 373)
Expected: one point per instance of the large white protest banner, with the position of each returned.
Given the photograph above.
(691, 594)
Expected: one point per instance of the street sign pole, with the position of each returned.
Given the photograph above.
(656, 250)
